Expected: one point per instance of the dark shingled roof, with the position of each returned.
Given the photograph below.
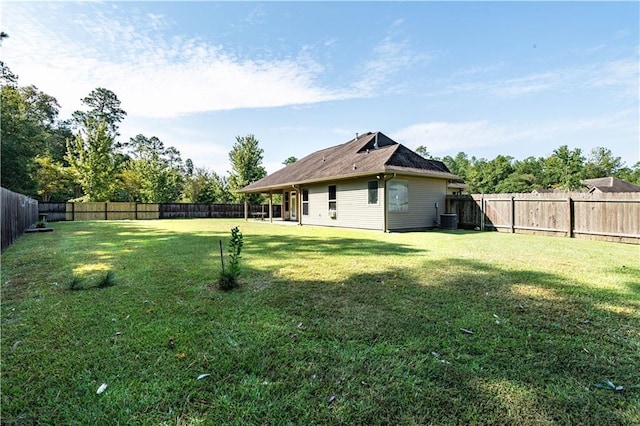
(610, 184)
(369, 154)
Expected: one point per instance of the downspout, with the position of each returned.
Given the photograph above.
(385, 178)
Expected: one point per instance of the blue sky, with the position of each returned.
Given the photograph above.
(516, 79)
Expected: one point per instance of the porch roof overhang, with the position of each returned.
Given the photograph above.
(458, 185)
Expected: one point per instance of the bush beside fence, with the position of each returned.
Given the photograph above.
(609, 216)
(19, 213)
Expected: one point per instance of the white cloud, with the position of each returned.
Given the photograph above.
(447, 136)
(388, 59)
(69, 50)
(621, 74)
(451, 137)
(153, 76)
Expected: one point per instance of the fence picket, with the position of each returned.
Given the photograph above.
(137, 211)
(609, 216)
(19, 213)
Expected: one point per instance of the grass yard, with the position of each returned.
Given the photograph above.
(329, 327)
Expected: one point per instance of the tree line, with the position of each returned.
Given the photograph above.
(82, 158)
(563, 170)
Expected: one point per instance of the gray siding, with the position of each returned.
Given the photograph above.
(423, 194)
(352, 206)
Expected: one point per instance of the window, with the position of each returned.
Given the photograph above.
(332, 197)
(373, 192)
(398, 196)
(305, 202)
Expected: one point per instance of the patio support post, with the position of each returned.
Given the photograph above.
(270, 207)
(246, 207)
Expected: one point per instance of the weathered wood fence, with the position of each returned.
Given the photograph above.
(140, 211)
(609, 216)
(19, 213)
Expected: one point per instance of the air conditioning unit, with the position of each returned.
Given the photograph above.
(332, 214)
(449, 221)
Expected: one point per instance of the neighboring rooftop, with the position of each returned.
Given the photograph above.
(367, 154)
(610, 184)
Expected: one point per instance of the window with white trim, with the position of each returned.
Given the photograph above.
(373, 191)
(305, 202)
(398, 193)
(333, 197)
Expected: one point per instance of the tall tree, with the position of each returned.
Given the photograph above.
(52, 178)
(104, 106)
(630, 174)
(423, 151)
(527, 175)
(206, 187)
(91, 157)
(491, 173)
(158, 170)
(246, 166)
(290, 160)
(564, 168)
(7, 78)
(602, 163)
(129, 185)
(458, 165)
(28, 120)
(188, 167)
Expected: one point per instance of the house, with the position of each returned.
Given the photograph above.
(369, 182)
(609, 184)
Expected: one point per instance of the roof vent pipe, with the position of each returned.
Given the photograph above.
(375, 143)
(356, 135)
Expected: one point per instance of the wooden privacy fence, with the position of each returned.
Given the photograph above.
(19, 213)
(608, 216)
(140, 211)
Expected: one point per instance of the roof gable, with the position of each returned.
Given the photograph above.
(370, 153)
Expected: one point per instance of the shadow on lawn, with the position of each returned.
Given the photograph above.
(128, 241)
(539, 343)
(389, 344)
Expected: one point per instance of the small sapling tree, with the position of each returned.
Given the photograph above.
(228, 279)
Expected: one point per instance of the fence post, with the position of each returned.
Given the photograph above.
(570, 217)
(513, 214)
(482, 213)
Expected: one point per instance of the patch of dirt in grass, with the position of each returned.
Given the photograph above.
(15, 289)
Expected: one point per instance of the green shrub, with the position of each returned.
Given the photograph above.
(228, 278)
(108, 280)
(76, 283)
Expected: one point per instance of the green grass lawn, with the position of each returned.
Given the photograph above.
(329, 327)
